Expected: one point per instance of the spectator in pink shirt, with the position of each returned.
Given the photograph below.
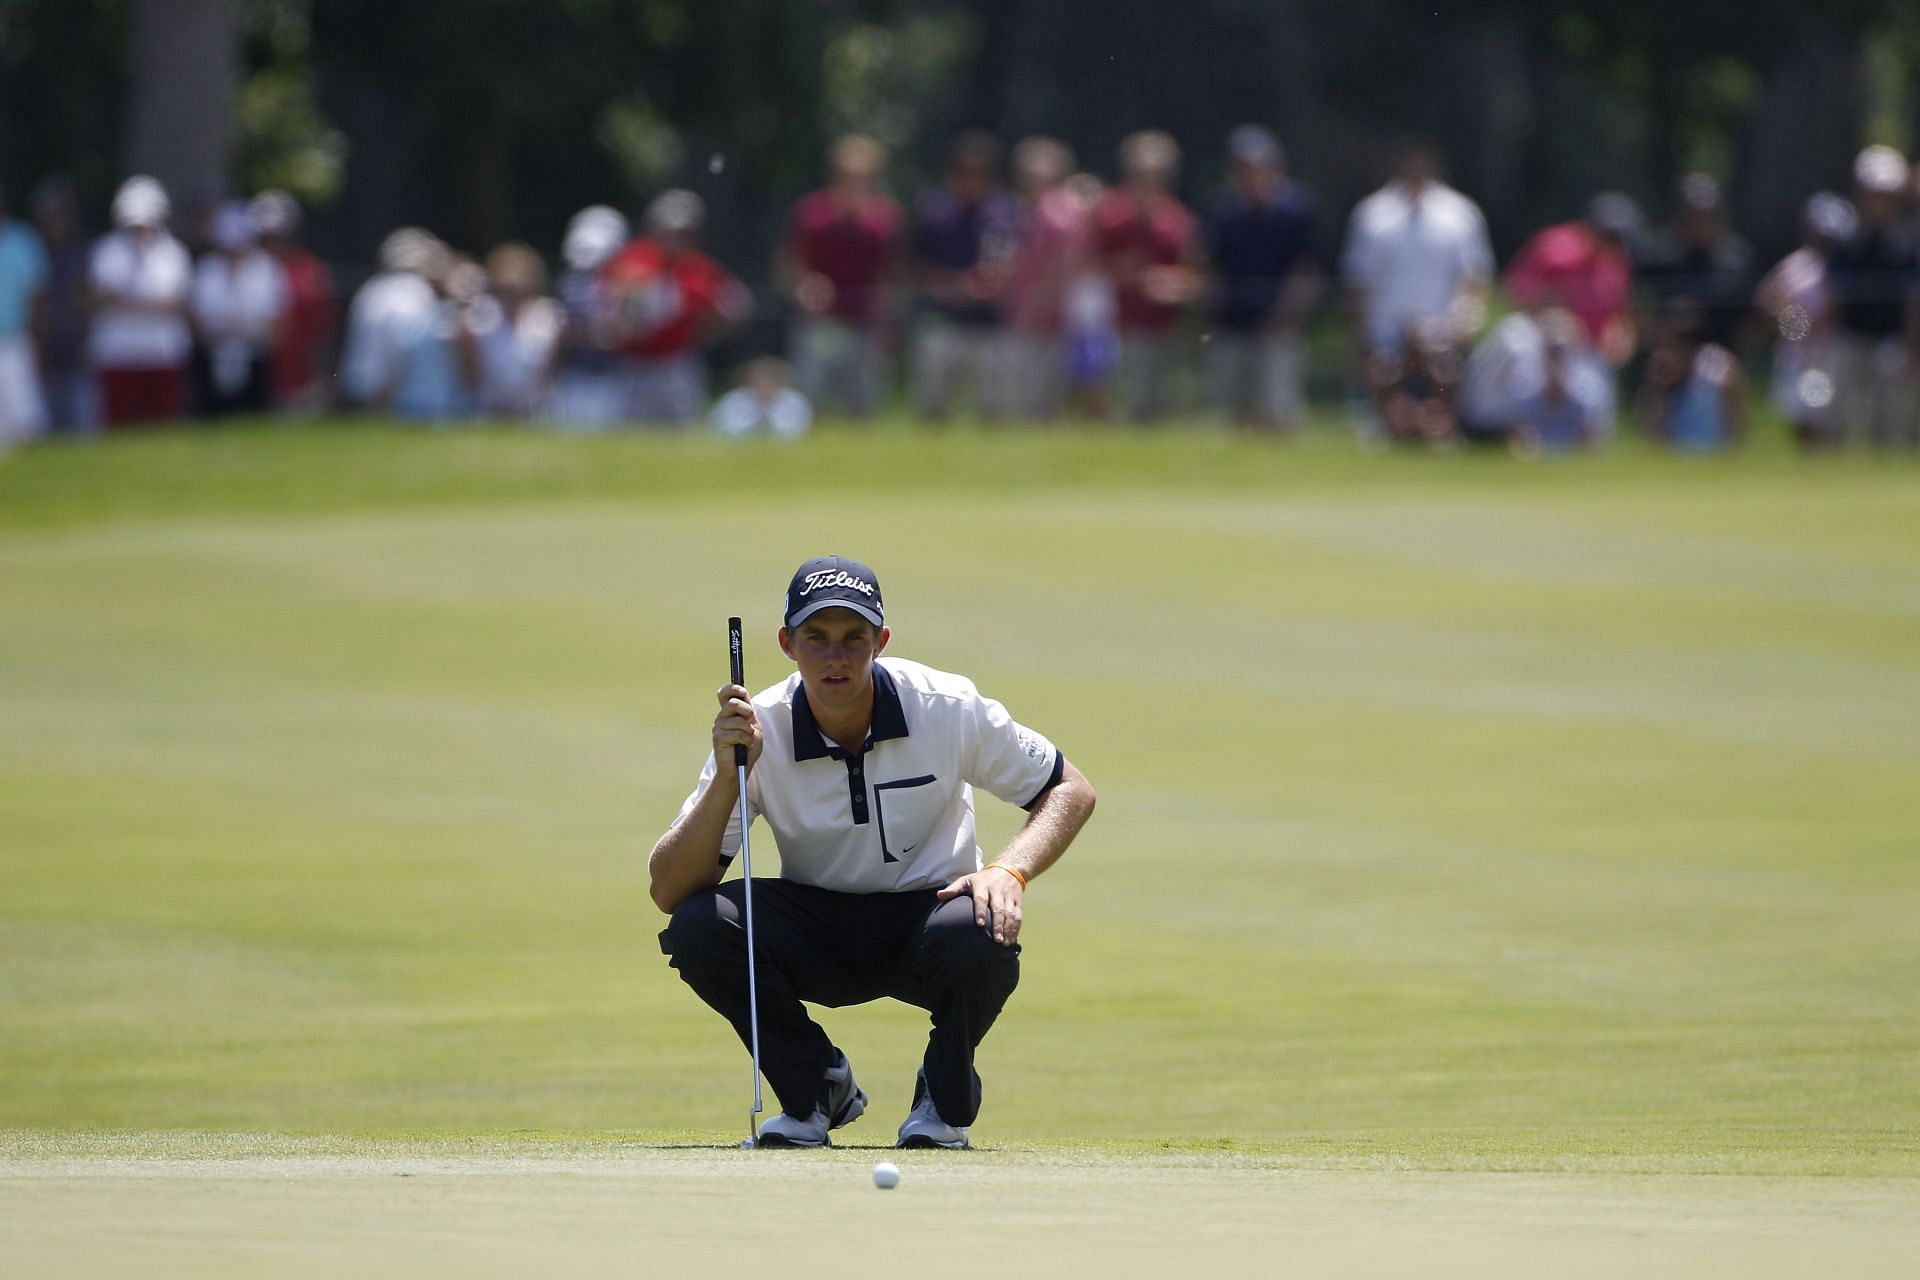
(1585, 267)
(1147, 244)
(842, 251)
(1050, 246)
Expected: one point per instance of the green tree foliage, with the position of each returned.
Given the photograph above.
(499, 117)
(63, 69)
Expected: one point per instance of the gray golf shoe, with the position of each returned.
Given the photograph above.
(785, 1130)
(846, 1102)
(923, 1126)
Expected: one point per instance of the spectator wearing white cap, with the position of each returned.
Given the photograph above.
(673, 301)
(587, 388)
(24, 272)
(1871, 288)
(303, 349)
(1794, 296)
(141, 341)
(401, 352)
(239, 297)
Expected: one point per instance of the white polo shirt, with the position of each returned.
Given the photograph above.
(156, 270)
(899, 815)
(1411, 256)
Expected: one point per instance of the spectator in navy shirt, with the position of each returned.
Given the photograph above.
(67, 378)
(1262, 251)
(1702, 259)
(589, 391)
(963, 240)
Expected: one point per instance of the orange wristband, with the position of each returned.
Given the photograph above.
(1001, 866)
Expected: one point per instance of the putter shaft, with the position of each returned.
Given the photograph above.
(753, 976)
(736, 670)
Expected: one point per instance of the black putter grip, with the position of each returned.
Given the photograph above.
(737, 669)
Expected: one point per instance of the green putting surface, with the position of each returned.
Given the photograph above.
(1457, 816)
(192, 1207)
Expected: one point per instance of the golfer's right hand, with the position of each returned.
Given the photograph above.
(735, 726)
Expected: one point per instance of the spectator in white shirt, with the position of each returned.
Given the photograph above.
(515, 330)
(140, 340)
(1507, 375)
(1417, 256)
(401, 351)
(239, 299)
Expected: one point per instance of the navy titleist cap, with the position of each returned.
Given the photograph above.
(834, 582)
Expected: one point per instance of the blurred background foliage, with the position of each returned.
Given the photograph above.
(496, 118)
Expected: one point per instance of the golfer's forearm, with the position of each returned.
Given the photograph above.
(680, 868)
(687, 858)
(1051, 827)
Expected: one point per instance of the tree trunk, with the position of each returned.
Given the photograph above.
(185, 58)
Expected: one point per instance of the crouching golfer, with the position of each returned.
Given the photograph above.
(864, 766)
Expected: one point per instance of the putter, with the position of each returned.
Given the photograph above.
(738, 673)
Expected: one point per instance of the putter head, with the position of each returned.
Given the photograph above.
(748, 1144)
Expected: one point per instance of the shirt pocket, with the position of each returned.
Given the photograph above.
(907, 810)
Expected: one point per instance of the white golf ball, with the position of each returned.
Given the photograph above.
(886, 1175)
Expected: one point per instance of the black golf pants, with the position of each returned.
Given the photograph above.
(835, 949)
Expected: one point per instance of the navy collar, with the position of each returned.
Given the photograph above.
(889, 721)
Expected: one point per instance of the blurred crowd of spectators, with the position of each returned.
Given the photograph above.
(132, 327)
(1019, 288)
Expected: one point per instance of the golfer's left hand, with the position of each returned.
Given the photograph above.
(996, 902)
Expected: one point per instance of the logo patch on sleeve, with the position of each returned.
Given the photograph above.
(1033, 744)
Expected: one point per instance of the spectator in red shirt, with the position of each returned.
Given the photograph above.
(842, 251)
(672, 302)
(1147, 245)
(303, 346)
(1586, 267)
(1049, 252)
